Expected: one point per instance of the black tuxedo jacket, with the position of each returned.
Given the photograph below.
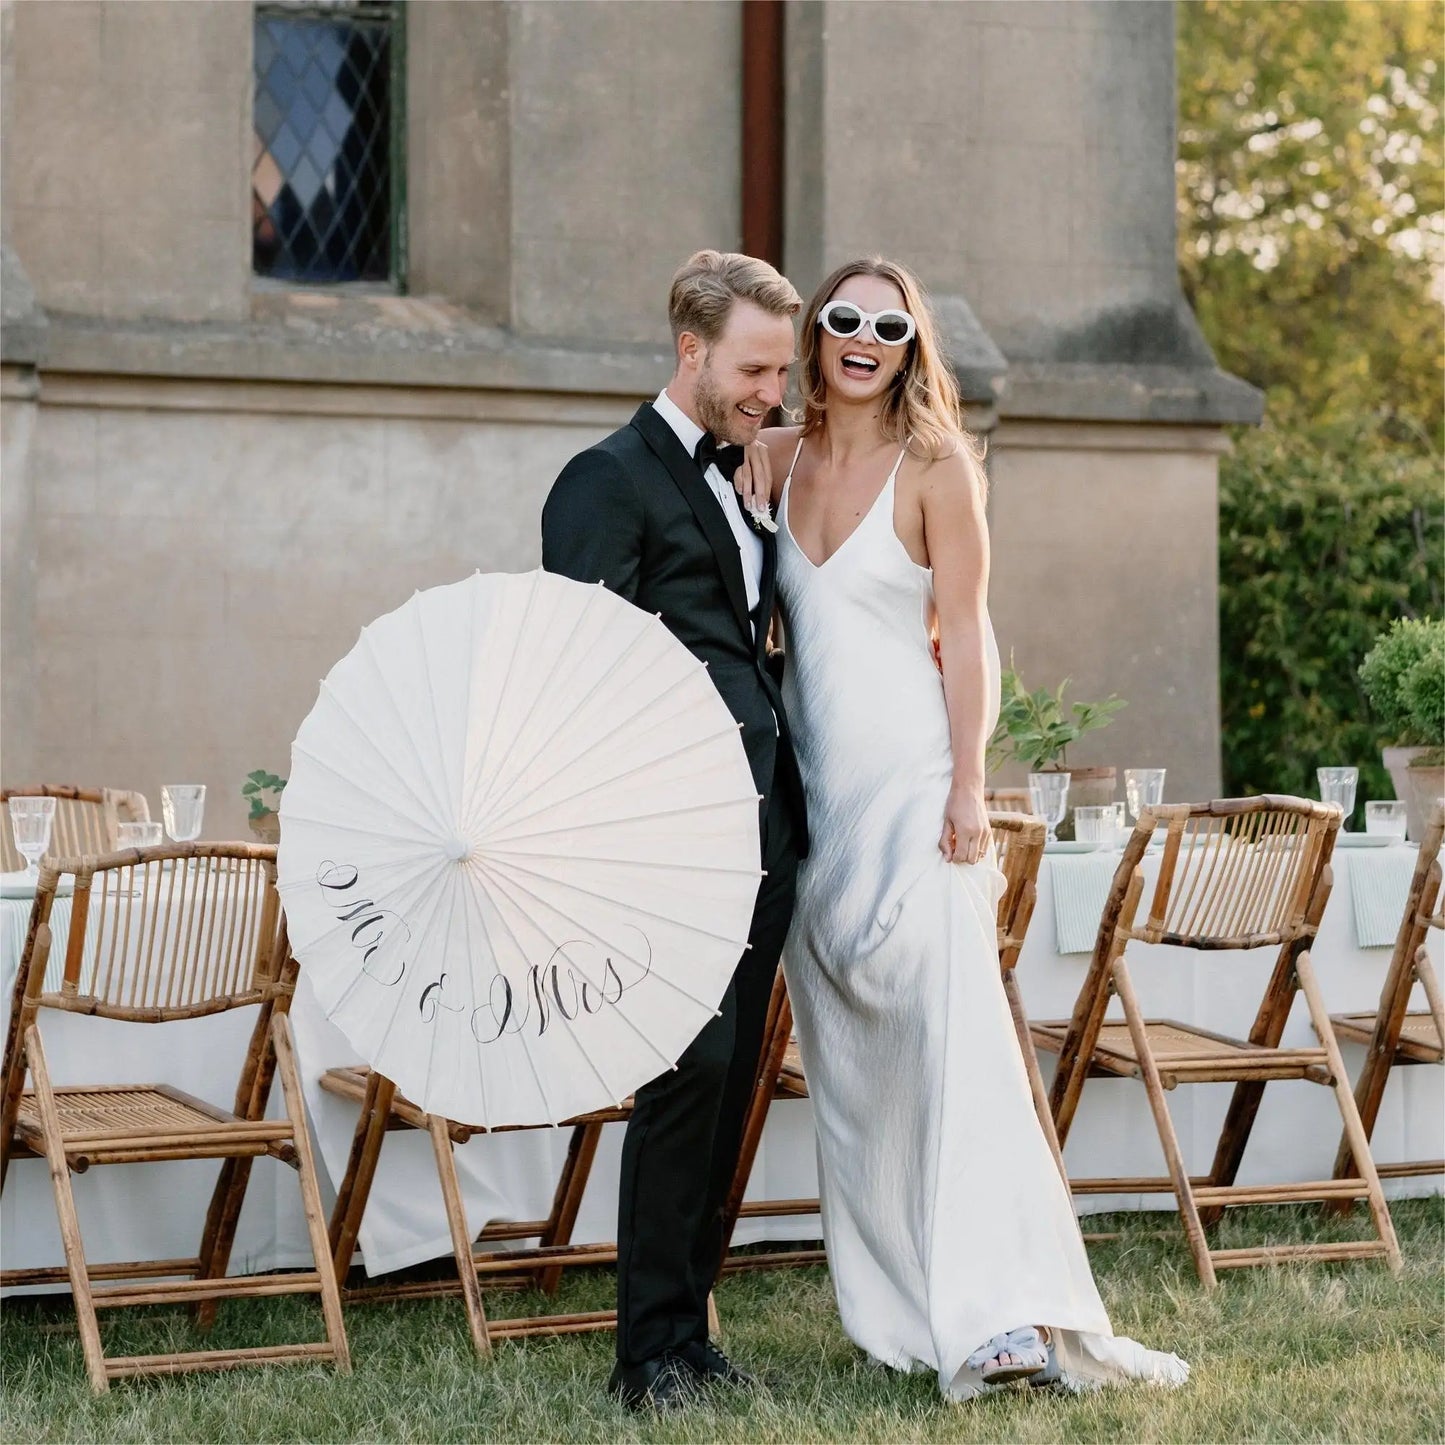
(635, 513)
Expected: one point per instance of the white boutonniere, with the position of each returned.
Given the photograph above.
(762, 518)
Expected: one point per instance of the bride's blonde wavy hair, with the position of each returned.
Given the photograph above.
(923, 407)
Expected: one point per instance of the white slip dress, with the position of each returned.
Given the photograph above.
(945, 1218)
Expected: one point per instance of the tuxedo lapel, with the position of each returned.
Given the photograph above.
(699, 496)
(767, 591)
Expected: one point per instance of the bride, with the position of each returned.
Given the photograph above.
(951, 1238)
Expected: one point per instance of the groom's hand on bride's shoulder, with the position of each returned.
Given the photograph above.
(754, 479)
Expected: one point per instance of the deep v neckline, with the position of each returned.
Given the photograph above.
(858, 526)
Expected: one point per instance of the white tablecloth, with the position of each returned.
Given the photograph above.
(131, 1211)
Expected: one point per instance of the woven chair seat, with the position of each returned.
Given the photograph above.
(1419, 1040)
(150, 1109)
(1179, 1050)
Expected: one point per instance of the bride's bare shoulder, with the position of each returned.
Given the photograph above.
(780, 441)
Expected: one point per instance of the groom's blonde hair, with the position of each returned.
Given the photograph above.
(708, 283)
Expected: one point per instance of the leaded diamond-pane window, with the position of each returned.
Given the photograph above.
(325, 181)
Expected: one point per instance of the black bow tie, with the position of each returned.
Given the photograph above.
(725, 457)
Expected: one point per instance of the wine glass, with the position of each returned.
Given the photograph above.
(1337, 785)
(31, 820)
(1143, 788)
(183, 805)
(1049, 799)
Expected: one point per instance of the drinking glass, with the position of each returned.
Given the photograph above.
(1095, 824)
(138, 835)
(1337, 785)
(1386, 819)
(1143, 787)
(1049, 799)
(183, 805)
(30, 822)
(1120, 834)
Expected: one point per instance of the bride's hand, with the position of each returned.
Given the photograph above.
(966, 833)
(754, 479)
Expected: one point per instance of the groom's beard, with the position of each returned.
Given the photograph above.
(715, 412)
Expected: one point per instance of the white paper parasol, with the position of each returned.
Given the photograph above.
(519, 848)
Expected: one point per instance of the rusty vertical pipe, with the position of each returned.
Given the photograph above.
(762, 129)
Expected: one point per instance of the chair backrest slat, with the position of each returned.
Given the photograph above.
(1019, 839)
(85, 820)
(1237, 873)
(172, 931)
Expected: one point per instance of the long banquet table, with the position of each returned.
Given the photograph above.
(131, 1212)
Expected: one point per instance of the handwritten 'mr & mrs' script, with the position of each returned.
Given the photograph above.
(569, 986)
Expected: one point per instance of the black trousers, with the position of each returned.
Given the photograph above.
(682, 1141)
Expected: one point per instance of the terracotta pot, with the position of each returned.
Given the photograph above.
(267, 827)
(1397, 763)
(1088, 788)
(1425, 792)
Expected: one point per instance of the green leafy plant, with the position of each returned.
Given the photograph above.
(1326, 536)
(1404, 678)
(1036, 728)
(264, 791)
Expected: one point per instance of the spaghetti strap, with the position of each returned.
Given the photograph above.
(893, 475)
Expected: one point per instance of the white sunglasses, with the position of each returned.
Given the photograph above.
(844, 320)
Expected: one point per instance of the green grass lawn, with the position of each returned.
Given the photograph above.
(1298, 1352)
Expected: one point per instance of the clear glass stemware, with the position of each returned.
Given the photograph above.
(1337, 785)
(183, 805)
(31, 820)
(1143, 787)
(1049, 798)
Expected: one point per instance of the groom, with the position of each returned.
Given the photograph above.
(651, 512)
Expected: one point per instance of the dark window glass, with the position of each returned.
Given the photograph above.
(324, 182)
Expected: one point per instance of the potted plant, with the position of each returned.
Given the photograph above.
(263, 789)
(1404, 679)
(1035, 729)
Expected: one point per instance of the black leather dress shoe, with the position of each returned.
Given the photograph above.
(712, 1367)
(661, 1383)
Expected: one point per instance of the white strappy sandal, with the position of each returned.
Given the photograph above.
(1032, 1358)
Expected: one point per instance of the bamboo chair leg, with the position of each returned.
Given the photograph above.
(224, 1213)
(1138, 1031)
(351, 1198)
(1354, 1126)
(1031, 1067)
(441, 1143)
(310, 1191)
(1425, 972)
(216, 1242)
(568, 1199)
(65, 1211)
(1248, 1095)
(714, 1322)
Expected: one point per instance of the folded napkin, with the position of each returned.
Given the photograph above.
(1081, 888)
(1379, 886)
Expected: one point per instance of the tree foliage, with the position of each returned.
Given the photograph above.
(1325, 539)
(1310, 176)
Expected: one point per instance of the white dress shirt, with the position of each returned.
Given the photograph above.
(750, 545)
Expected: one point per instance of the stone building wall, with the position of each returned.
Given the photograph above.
(212, 481)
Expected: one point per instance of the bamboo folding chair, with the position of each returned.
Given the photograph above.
(85, 820)
(1393, 1033)
(382, 1110)
(1236, 874)
(156, 935)
(1020, 841)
